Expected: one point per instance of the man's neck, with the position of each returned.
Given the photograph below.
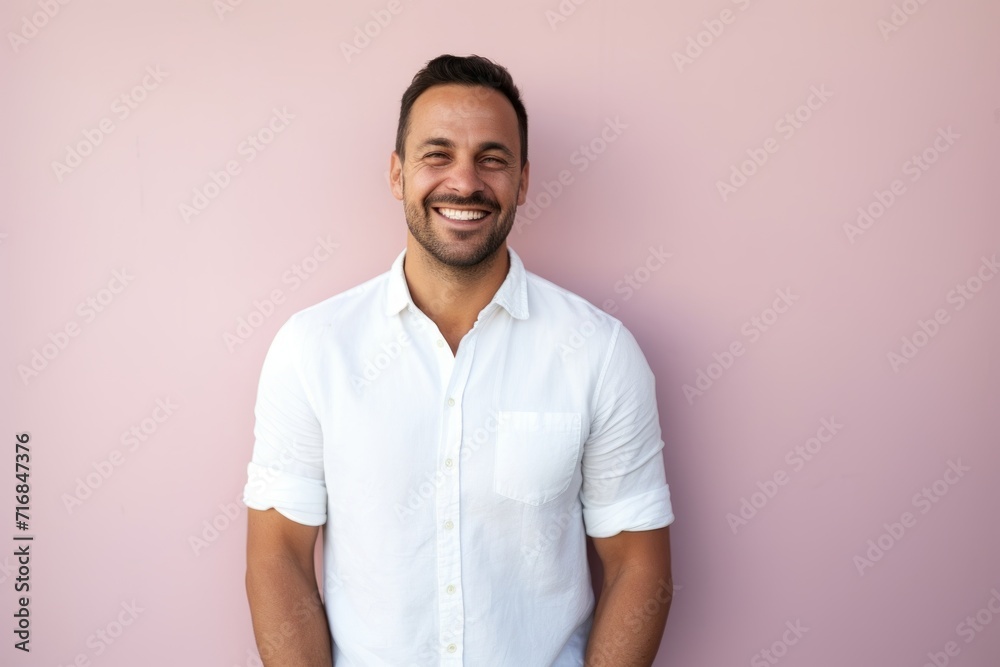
(452, 297)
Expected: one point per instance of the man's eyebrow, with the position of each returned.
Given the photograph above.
(496, 146)
(485, 146)
(437, 141)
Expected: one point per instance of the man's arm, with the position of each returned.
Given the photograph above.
(632, 608)
(289, 622)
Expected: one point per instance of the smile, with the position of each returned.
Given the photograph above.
(462, 214)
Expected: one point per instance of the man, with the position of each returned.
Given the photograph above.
(459, 426)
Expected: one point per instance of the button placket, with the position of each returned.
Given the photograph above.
(451, 621)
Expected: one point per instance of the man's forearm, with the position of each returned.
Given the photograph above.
(289, 621)
(629, 620)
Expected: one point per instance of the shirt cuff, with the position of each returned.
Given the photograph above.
(647, 511)
(300, 499)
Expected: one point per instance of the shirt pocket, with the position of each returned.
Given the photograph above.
(536, 454)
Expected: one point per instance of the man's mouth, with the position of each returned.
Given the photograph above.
(462, 215)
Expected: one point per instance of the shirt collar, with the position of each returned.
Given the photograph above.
(512, 295)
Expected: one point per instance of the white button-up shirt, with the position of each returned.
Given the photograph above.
(457, 490)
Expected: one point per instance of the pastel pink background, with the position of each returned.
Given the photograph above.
(655, 185)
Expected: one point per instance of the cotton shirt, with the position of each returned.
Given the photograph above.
(457, 490)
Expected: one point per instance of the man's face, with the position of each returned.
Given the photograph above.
(461, 180)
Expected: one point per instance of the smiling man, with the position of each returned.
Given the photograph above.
(455, 449)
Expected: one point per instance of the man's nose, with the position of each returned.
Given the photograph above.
(464, 179)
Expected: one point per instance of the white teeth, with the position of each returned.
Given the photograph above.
(455, 214)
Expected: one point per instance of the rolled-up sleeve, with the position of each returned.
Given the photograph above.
(286, 468)
(624, 482)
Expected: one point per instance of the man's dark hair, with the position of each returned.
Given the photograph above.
(465, 71)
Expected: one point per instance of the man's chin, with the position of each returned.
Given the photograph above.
(458, 248)
(457, 259)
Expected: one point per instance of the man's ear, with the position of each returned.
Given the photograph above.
(396, 175)
(522, 188)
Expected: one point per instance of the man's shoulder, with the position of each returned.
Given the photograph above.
(562, 306)
(348, 306)
(577, 324)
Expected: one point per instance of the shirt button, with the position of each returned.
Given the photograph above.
(452, 648)
(451, 402)
(450, 589)
(448, 463)
(440, 343)
(448, 524)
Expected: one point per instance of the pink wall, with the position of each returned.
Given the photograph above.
(669, 120)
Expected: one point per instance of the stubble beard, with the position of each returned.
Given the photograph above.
(465, 261)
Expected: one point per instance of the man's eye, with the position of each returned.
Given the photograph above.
(494, 160)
